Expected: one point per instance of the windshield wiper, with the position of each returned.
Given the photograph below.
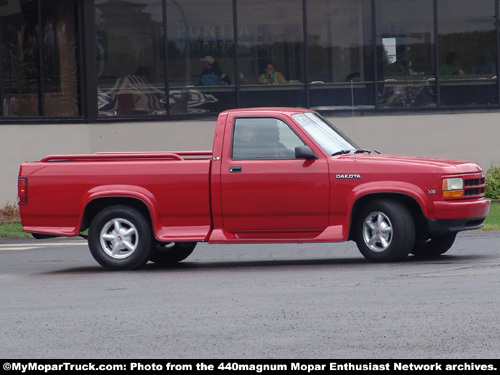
(342, 152)
(362, 151)
(359, 151)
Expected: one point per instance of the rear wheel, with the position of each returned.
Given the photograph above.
(120, 238)
(171, 252)
(434, 246)
(385, 231)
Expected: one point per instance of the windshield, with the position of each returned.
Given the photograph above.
(324, 134)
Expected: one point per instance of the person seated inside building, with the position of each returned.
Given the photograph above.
(271, 76)
(484, 65)
(211, 75)
(401, 66)
(451, 65)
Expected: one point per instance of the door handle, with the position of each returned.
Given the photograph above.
(235, 169)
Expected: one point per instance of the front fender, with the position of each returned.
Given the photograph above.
(386, 188)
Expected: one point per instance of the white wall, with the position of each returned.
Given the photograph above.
(467, 136)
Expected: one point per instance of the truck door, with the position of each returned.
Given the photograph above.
(265, 191)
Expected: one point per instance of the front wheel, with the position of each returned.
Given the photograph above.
(120, 238)
(385, 231)
(434, 246)
(171, 252)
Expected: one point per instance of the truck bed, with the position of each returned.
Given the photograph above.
(173, 185)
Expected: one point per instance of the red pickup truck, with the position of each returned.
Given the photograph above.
(274, 175)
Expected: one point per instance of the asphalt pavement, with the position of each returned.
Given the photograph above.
(251, 301)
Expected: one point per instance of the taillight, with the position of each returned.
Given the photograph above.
(22, 190)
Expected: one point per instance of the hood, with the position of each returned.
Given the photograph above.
(415, 162)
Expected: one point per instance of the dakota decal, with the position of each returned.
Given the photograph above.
(347, 176)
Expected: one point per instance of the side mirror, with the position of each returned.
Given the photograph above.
(304, 152)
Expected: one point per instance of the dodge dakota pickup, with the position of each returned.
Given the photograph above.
(273, 175)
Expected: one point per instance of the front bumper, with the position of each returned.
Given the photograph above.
(440, 227)
(457, 216)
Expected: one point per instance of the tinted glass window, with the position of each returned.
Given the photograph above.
(39, 70)
(271, 53)
(200, 56)
(130, 75)
(340, 53)
(405, 53)
(467, 52)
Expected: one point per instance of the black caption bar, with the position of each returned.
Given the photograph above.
(250, 366)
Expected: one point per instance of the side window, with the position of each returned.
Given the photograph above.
(263, 138)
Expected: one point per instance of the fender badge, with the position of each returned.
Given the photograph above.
(347, 176)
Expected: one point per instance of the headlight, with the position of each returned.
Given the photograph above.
(453, 187)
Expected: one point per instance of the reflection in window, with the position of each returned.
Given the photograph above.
(340, 56)
(405, 53)
(60, 70)
(325, 135)
(130, 74)
(27, 70)
(200, 56)
(264, 138)
(389, 46)
(467, 52)
(270, 35)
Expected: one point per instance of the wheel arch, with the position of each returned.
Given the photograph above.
(410, 202)
(96, 205)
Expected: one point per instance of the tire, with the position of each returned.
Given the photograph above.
(433, 247)
(385, 231)
(171, 252)
(120, 238)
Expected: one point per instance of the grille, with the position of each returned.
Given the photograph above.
(474, 187)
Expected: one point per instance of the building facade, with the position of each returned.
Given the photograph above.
(94, 75)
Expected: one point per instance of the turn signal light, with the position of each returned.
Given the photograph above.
(453, 187)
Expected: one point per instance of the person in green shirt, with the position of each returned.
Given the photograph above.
(450, 65)
(271, 77)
